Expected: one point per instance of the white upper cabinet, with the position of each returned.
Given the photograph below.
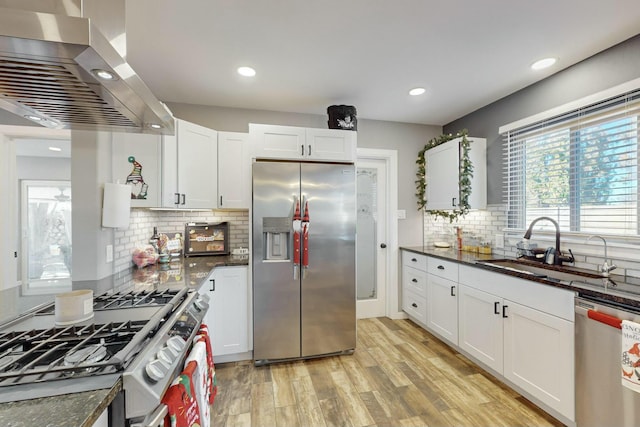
(442, 174)
(296, 143)
(189, 164)
(136, 162)
(234, 170)
(331, 144)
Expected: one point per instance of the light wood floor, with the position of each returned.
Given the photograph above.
(399, 375)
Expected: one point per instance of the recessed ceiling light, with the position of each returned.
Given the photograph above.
(55, 149)
(155, 126)
(543, 63)
(103, 74)
(417, 91)
(246, 71)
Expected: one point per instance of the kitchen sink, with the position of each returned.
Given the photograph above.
(553, 273)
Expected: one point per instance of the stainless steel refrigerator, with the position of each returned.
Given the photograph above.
(304, 272)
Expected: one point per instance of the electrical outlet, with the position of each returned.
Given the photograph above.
(499, 241)
(402, 214)
(109, 253)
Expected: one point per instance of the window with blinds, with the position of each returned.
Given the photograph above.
(580, 169)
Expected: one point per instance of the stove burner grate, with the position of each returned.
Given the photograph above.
(42, 355)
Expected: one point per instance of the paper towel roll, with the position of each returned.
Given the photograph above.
(116, 205)
(73, 307)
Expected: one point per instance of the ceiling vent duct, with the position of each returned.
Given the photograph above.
(63, 65)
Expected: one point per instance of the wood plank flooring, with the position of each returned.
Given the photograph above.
(399, 375)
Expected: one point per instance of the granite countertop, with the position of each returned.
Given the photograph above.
(623, 290)
(181, 272)
(620, 290)
(83, 409)
(70, 410)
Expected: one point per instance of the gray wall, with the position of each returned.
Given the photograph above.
(407, 139)
(606, 69)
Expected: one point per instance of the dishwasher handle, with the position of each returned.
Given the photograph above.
(604, 318)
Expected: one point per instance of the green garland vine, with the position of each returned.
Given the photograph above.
(466, 173)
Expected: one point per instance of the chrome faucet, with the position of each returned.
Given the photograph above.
(550, 258)
(605, 268)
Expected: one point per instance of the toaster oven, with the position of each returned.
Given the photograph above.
(203, 238)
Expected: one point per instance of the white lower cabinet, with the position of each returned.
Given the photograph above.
(511, 329)
(481, 332)
(228, 316)
(521, 330)
(539, 355)
(442, 299)
(414, 286)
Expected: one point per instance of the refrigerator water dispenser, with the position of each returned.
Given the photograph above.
(276, 232)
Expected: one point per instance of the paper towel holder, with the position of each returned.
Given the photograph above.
(116, 205)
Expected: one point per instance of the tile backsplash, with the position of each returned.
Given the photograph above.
(142, 221)
(488, 225)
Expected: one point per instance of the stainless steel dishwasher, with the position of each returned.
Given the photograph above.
(601, 399)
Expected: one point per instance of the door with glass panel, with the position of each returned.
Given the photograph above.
(371, 238)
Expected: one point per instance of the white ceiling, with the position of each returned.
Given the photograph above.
(367, 53)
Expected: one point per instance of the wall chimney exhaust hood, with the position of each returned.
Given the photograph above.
(62, 65)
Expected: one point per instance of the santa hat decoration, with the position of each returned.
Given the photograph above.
(136, 173)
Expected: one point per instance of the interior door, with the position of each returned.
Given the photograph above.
(372, 238)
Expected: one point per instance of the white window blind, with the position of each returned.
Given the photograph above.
(580, 168)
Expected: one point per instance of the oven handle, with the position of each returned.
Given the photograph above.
(156, 419)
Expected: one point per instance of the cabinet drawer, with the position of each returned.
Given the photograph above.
(414, 280)
(412, 259)
(415, 306)
(445, 269)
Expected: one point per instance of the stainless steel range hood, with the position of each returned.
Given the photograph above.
(50, 54)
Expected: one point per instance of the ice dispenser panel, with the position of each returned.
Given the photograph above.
(276, 232)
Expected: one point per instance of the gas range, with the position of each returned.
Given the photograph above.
(141, 337)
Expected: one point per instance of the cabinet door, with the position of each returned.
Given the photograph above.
(136, 162)
(442, 169)
(197, 165)
(234, 165)
(331, 144)
(170, 194)
(442, 307)
(480, 326)
(539, 356)
(227, 317)
(278, 142)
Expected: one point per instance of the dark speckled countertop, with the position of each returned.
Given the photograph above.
(83, 409)
(620, 290)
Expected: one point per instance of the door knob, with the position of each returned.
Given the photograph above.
(383, 245)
